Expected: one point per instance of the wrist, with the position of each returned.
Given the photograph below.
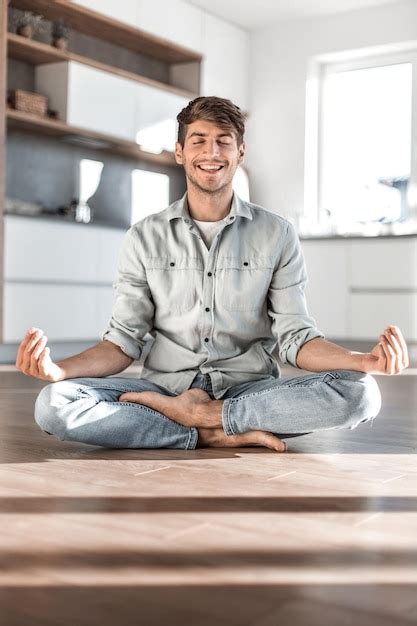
(358, 361)
(63, 371)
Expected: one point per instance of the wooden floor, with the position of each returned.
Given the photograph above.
(325, 534)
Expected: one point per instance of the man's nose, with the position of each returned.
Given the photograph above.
(213, 148)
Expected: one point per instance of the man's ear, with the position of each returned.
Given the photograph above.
(178, 153)
(242, 149)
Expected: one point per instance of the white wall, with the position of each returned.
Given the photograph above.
(278, 69)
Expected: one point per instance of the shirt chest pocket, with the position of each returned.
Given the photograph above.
(242, 282)
(175, 283)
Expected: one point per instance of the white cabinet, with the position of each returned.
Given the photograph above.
(383, 287)
(108, 244)
(372, 312)
(64, 312)
(327, 286)
(104, 302)
(225, 68)
(37, 249)
(58, 277)
(88, 98)
(357, 287)
(384, 263)
(100, 101)
(174, 20)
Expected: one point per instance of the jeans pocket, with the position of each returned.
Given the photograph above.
(331, 376)
(312, 379)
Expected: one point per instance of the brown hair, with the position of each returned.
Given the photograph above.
(212, 109)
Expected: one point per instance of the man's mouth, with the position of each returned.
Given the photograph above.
(211, 168)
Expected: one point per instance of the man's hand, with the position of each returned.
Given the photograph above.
(389, 356)
(33, 357)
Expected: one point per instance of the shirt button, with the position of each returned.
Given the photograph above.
(206, 339)
(187, 221)
(209, 274)
(172, 264)
(245, 263)
(231, 218)
(207, 309)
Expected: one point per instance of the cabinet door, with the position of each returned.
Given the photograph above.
(108, 248)
(327, 285)
(155, 117)
(384, 263)
(372, 312)
(225, 65)
(175, 20)
(101, 101)
(64, 313)
(104, 304)
(89, 98)
(37, 249)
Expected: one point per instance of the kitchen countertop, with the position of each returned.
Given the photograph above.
(64, 219)
(356, 236)
(107, 224)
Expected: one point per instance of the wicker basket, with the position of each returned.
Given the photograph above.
(29, 102)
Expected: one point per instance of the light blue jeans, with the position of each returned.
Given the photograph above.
(87, 409)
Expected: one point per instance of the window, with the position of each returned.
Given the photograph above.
(364, 151)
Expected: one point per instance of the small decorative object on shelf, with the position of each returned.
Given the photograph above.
(28, 102)
(27, 23)
(60, 33)
(53, 114)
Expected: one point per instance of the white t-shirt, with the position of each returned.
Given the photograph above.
(209, 230)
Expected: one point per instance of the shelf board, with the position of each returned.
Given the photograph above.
(98, 25)
(92, 139)
(38, 53)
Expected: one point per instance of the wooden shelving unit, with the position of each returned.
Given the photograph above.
(57, 128)
(3, 91)
(92, 23)
(37, 53)
(98, 25)
(33, 52)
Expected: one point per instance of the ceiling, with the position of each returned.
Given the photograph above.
(252, 14)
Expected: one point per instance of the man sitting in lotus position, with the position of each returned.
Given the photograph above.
(218, 283)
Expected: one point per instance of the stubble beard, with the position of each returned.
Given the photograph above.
(207, 190)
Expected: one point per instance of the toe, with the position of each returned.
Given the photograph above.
(129, 397)
(271, 441)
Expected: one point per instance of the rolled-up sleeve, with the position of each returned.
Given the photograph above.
(133, 308)
(291, 324)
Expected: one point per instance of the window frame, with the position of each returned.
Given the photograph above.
(319, 69)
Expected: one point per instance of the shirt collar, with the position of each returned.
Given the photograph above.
(239, 208)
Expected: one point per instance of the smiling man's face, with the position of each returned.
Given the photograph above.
(210, 156)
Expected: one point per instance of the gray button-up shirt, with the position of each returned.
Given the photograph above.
(220, 311)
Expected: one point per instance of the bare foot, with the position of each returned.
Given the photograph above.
(193, 407)
(216, 438)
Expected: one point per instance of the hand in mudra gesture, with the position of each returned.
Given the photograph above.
(33, 357)
(389, 356)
